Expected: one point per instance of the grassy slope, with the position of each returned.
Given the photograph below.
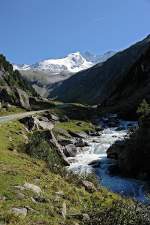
(18, 168)
(11, 110)
(75, 126)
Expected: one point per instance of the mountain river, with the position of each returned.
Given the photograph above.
(96, 150)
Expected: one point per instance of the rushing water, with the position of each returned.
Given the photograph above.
(97, 151)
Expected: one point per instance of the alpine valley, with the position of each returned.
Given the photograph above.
(75, 139)
(48, 74)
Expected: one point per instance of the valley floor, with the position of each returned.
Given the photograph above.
(33, 192)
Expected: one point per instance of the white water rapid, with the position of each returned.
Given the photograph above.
(97, 151)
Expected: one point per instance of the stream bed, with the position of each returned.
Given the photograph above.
(96, 151)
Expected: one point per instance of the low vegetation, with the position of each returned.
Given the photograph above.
(144, 109)
(63, 199)
(4, 111)
(75, 126)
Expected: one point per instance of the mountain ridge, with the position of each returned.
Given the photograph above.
(48, 74)
(100, 84)
(73, 62)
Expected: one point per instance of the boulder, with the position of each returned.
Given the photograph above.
(20, 212)
(29, 122)
(70, 150)
(33, 123)
(43, 123)
(89, 186)
(36, 189)
(78, 134)
(81, 143)
(20, 196)
(59, 148)
(65, 142)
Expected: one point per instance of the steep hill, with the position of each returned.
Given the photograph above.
(120, 83)
(13, 88)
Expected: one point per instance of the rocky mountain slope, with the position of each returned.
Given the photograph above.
(118, 84)
(47, 74)
(13, 88)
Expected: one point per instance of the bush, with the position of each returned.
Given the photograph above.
(38, 147)
(144, 109)
(120, 213)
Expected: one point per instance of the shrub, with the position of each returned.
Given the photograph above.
(38, 147)
(143, 109)
(120, 213)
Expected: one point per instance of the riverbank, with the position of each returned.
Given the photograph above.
(94, 159)
(36, 188)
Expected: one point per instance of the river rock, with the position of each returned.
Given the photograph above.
(70, 150)
(81, 143)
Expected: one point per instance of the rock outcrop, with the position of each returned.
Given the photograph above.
(133, 155)
(13, 88)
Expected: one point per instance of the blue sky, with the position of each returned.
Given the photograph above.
(32, 30)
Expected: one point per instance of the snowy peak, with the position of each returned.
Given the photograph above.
(72, 63)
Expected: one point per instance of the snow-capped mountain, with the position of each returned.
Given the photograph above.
(72, 63)
(47, 74)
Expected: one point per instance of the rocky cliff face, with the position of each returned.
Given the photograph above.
(13, 88)
(119, 84)
(133, 155)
